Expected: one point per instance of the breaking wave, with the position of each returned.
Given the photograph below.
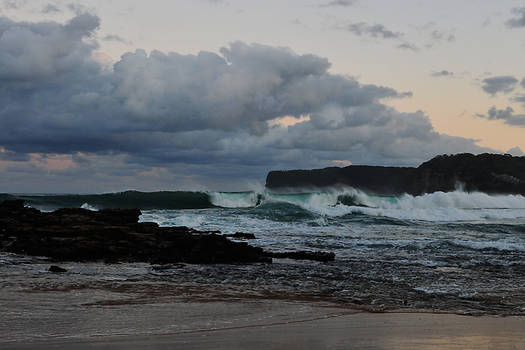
(446, 206)
(438, 206)
(235, 199)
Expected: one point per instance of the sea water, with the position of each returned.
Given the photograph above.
(448, 252)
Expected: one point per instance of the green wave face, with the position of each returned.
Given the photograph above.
(188, 200)
(438, 206)
(125, 200)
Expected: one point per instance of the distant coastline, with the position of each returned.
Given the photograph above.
(488, 173)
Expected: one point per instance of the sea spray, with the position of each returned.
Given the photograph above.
(449, 206)
(336, 202)
(88, 207)
(438, 206)
(234, 199)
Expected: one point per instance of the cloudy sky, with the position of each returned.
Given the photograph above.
(110, 95)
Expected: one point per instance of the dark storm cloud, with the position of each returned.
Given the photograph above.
(31, 52)
(213, 112)
(523, 83)
(497, 114)
(519, 18)
(503, 84)
(507, 115)
(372, 30)
(242, 90)
(518, 98)
(443, 73)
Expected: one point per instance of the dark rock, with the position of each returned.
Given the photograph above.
(56, 269)
(241, 235)
(113, 235)
(303, 255)
(12, 205)
(490, 173)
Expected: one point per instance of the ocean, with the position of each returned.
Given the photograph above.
(453, 252)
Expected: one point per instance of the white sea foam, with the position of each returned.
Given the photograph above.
(433, 290)
(88, 207)
(438, 206)
(324, 203)
(443, 214)
(423, 262)
(460, 200)
(234, 199)
(502, 245)
(189, 220)
(174, 218)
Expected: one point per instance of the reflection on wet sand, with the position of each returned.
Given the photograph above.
(285, 325)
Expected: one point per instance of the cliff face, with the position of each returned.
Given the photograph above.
(490, 173)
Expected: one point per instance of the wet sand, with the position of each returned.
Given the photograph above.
(292, 325)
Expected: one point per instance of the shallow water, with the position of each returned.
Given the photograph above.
(381, 262)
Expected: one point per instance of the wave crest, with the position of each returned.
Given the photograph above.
(438, 206)
(235, 199)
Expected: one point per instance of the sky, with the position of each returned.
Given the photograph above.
(103, 96)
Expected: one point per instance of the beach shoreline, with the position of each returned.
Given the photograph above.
(274, 324)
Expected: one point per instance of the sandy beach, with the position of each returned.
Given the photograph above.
(281, 325)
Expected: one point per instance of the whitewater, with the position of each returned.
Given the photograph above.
(456, 252)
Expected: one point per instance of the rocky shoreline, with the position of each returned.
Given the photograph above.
(116, 235)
